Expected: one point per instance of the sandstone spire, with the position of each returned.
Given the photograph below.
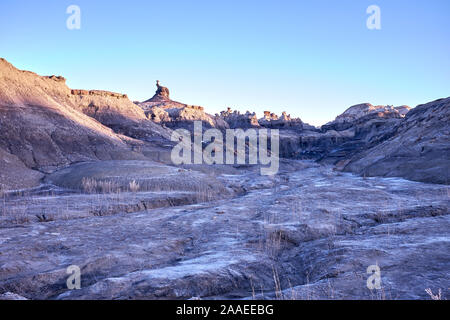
(162, 94)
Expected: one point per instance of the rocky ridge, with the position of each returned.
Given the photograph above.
(417, 149)
(44, 125)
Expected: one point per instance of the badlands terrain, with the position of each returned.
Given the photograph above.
(86, 179)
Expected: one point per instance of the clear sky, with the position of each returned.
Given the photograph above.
(311, 58)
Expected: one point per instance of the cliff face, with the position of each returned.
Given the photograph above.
(117, 112)
(14, 174)
(364, 139)
(40, 126)
(359, 128)
(418, 150)
(366, 109)
(46, 125)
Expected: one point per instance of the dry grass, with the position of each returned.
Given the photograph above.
(110, 196)
(15, 216)
(204, 190)
(276, 279)
(437, 296)
(134, 186)
(91, 185)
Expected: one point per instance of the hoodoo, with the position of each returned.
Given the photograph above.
(162, 94)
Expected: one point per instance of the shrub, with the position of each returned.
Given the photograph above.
(134, 186)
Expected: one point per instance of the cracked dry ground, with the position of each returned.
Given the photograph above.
(307, 233)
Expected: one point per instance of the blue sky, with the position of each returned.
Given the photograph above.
(312, 59)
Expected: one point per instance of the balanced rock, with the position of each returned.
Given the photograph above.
(162, 94)
(162, 110)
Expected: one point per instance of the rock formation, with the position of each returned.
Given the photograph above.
(403, 110)
(162, 110)
(117, 112)
(418, 149)
(235, 119)
(14, 174)
(364, 112)
(357, 130)
(272, 121)
(44, 125)
(40, 126)
(360, 127)
(162, 94)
